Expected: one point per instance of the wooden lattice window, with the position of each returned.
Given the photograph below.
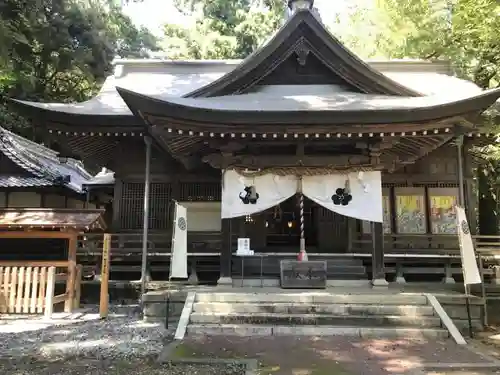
(200, 192)
(132, 206)
(160, 202)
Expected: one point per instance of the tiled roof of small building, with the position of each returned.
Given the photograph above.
(41, 162)
(49, 218)
(23, 182)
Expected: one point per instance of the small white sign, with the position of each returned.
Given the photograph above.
(243, 246)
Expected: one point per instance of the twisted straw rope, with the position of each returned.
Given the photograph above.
(301, 204)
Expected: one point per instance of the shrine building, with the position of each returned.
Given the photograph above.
(300, 145)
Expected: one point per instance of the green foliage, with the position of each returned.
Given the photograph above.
(222, 29)
(61, 50)
(462, 31)
(466, 33)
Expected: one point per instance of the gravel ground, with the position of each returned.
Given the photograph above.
(122, 335)
(86, 366)
(121, 344)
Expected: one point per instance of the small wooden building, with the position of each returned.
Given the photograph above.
(302, 100)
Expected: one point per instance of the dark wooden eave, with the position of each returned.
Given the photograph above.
(303, 36)
(93, 137)
(70, 121)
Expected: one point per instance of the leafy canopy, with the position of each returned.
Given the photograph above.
(61, 50)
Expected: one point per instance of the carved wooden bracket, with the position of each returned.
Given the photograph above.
(302, 50)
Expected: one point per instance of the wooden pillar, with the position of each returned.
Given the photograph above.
(378, 272)
(145, 219)
(70, 284)
(117, 203)
(226, 254)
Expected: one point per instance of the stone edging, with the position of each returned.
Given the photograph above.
(445, 319)
(251, 366)
(490, 362)
(185, 315)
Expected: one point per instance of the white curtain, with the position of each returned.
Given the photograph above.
(364, 187)
(272, 191)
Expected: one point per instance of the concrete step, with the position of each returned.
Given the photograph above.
(315, 319)
(279, 330)
(293, 308)
(313, 298)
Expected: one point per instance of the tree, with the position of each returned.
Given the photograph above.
(222, 29)
(464, 32)
(61, 50)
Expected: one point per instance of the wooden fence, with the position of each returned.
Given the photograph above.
(29, 287)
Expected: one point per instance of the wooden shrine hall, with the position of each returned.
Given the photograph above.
(304, 114)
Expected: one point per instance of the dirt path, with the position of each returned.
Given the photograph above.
(329, 356)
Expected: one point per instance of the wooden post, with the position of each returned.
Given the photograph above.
(49, 293)
(378, 272)
(104, 299)
(78, 286)
(70, 283)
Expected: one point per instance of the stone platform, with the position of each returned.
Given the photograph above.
(392, 311)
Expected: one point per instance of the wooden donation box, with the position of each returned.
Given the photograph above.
(297, 274)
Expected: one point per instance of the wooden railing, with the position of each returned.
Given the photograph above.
(404, 254)
(130, 244)
(426, 244)
(29, 287)
(416, 254)
(126, 251)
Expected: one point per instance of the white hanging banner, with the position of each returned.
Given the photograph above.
(356, 194)
(178, 260)
(467, 253)
(243, 195)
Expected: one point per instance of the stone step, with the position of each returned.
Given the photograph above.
(346, 269)
(275, 262)
(296, 308)
(313, 298)
(331, 269)
(277, 330)
(315, 319)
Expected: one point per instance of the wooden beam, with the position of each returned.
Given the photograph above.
(263, 161)
(280, 128)
(37, 234)
(43, 263)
